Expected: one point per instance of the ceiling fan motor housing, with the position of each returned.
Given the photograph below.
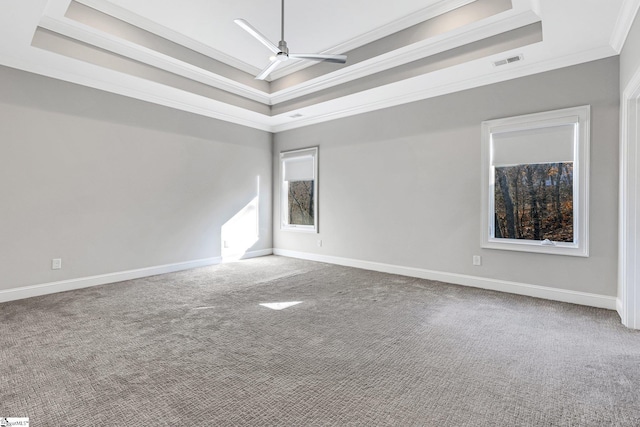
(283, 47)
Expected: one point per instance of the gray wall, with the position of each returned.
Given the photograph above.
(630, 55)
(402, 185)
(110, 184)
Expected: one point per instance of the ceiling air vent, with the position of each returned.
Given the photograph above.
(508, 60)
(296, 115)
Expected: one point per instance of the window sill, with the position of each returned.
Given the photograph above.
(557, 248)
(299, 228)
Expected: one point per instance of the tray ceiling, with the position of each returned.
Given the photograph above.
(190, 55)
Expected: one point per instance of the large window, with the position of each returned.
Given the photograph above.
(535, 182)
(299, 183)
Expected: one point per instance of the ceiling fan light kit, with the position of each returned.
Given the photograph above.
(281, 50)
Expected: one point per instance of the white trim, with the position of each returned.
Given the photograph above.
(164, 32)
(398, 93)
(93, 76)
(129, 17)
(136, 52)
(413, 52)
(429, 12)
(536, 291)
(580, 118)
(102, 279)
(626, 16)
(625, 275)
(406, 91)
(629, 232)
(449, 40)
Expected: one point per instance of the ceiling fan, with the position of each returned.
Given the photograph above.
(282, 51)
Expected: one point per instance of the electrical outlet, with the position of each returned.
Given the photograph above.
(319, 243)
(477, 260)
(56, 264)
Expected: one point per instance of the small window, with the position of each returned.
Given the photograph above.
(299, 181)
(535, 182)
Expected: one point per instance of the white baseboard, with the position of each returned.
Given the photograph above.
(102, 279)
(564, 295)
(575, 297)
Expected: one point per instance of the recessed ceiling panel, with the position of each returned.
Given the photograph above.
(310, 25)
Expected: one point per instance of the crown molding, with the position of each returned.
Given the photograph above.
(125, 15)
(378, 98)
(96, 77)
(626, 16)
(416, 51)
(479, 30)
(404, 92)
(162, 31)
(394, 94)
(417, 17)
(94, 37)
(464, 76)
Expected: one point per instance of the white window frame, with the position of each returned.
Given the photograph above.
(284, 190)
(580, 118)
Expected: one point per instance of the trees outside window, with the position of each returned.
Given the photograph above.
(534, 202)
(300, 203)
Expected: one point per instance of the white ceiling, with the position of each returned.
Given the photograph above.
(311, 26)
(573, 31)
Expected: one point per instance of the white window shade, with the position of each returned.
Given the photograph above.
(299, 169)
(554, 144)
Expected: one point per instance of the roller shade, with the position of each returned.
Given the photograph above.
(554, 144)
(299, 169)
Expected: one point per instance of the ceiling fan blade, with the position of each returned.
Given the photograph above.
(268, 69)
(339, 59)
(255, 33)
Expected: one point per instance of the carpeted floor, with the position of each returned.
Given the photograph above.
(195, 348)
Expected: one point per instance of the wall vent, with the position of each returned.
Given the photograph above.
(508, 60)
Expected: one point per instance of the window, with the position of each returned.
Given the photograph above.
(299, 182)
(535, 182)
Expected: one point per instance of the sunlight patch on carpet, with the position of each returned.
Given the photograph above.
(280, 305)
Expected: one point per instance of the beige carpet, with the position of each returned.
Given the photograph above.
(195, 348)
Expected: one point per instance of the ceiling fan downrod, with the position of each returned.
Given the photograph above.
(282, 50)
